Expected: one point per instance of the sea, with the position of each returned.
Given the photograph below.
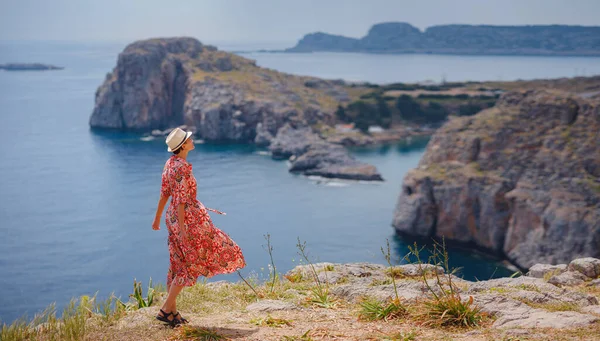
(76, 205)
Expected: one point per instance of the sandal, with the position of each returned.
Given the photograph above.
(181, 319)
(165, 317)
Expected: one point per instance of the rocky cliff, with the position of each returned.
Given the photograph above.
(521, 179)
(395, 37)
(160, 83)
(222, 97)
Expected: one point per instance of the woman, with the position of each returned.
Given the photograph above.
(196, 246)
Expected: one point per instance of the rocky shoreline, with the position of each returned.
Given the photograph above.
(520, 179)
(159, 84)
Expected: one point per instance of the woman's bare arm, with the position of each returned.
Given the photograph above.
(161, 206)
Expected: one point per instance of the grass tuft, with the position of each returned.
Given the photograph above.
(295, 277)
(395, 272)
(270, 321)
(528, 287)
(320, 293)
(551, 274)
(373, 310)
(321, 298)
(378, 282)
(446, 307)
(452, 311)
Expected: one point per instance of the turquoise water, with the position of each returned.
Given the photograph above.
(76, 206)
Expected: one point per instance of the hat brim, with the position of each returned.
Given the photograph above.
(187, 136)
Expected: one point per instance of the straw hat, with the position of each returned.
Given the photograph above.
(176, 139)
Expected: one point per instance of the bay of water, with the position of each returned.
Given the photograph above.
(76, 206)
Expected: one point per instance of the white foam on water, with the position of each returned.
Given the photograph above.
(263, 152)
(147, 138)
(336, 184)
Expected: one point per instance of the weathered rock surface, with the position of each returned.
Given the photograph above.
(311, 155)
(542, 270)
(521, 179)
(590, 267)
(579, 271)
(292, 141)
(568, 278)
(534, 318)
(522, 302)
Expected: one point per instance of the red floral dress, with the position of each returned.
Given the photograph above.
(207, 251)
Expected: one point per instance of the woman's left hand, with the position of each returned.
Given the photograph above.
(156, 225)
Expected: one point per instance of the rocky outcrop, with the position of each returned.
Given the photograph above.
(162, 83)
(521, 302)
(28, 67)
(311, 155)
(398, 37)
(521, 308)
(148, 87)
(521, 179)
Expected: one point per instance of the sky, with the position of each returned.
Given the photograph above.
(266, 20)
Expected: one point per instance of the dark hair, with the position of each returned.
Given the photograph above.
(178, 150)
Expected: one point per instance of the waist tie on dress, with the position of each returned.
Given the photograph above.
(216, 211)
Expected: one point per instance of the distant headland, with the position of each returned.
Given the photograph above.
(28, 67)
(399, 38)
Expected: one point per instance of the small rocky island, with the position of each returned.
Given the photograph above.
(399, 37)
(521, 179)
(28, 67)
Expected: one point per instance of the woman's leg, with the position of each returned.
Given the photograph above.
(170, 304)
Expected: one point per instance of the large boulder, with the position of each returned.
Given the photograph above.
(590, 267)
(569, 278)
(543, 270)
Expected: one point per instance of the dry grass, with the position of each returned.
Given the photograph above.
(577, 84)
(261, 83)
(270, 321)
(528, 287)
(591, 290)
(552, 306)
(395, 272)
